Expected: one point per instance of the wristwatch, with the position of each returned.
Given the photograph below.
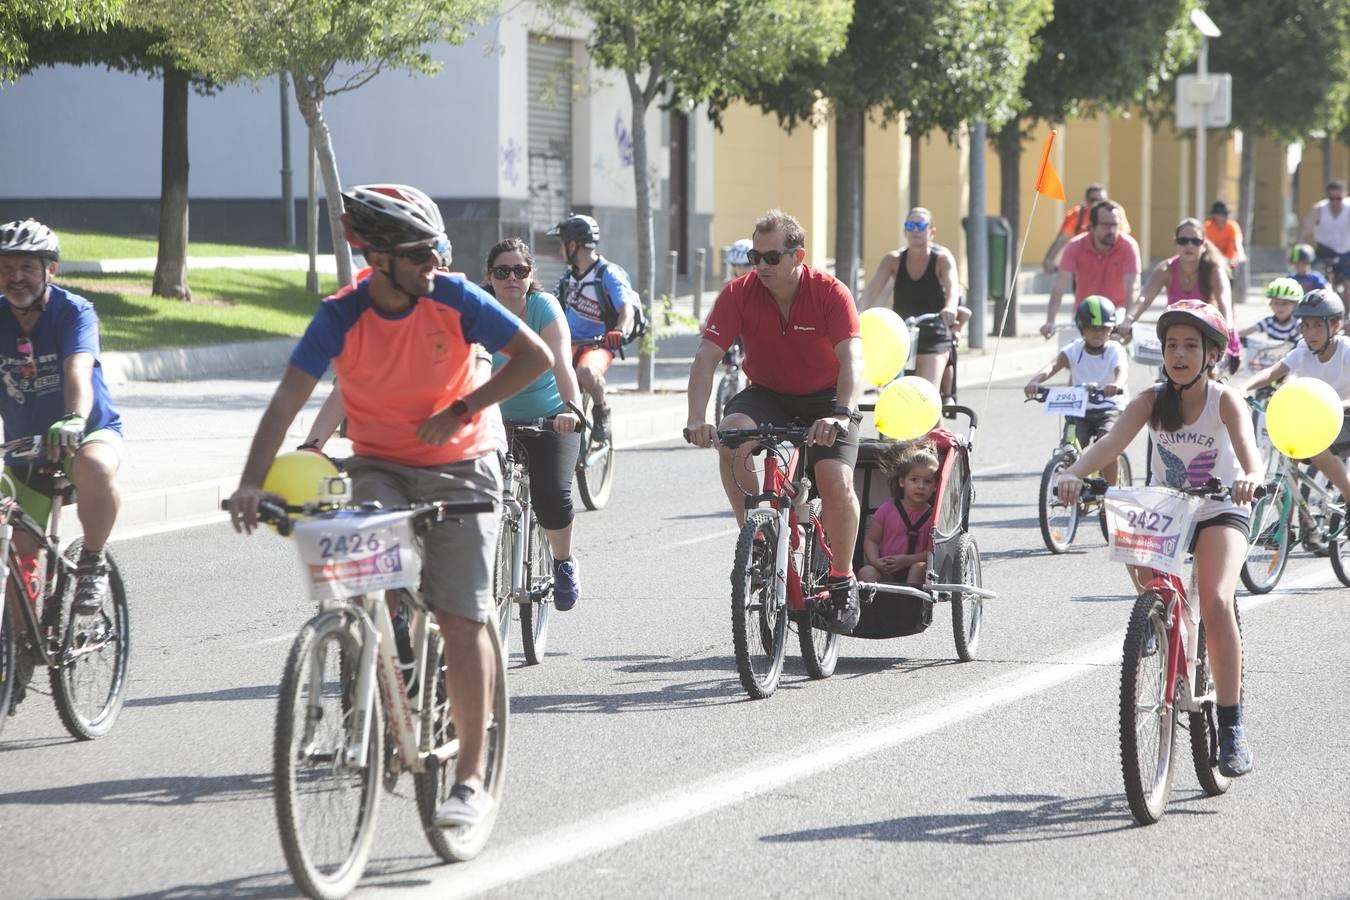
(851, 414)
(460, 410)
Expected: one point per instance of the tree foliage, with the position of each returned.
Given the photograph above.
(18, 17)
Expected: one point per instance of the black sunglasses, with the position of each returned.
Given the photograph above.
(1190, 242)
(501, 273)
(771, 257)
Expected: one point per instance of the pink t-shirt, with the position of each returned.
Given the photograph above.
(895, 535)
(1100, 273)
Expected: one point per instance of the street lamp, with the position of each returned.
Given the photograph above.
(1203, 96)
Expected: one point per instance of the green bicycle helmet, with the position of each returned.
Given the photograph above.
(1301, 253)
(1095, 310)
(1285, 289)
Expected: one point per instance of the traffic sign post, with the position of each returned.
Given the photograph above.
(1200, 94)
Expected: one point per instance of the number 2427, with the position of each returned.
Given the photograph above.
(1144, 520)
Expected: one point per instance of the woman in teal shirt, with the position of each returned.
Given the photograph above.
(553, 456)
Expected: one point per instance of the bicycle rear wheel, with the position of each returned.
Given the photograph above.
(819, 646)
(325, 804)
(758, 612)
(595, 466)
(1339, 545)
(8, 652)
(1147, 723)
(501, 577)
(967, 610)
(535, 614)
(89, 684)
(1059, 523)
(433, 784)
(1268, 540)
(1204, 725)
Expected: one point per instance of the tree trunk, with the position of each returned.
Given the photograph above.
(171, 258)
(1246, 213)
(914, 140)
(848, 154)
(1009, 143)
(309, 97)
(646, 234)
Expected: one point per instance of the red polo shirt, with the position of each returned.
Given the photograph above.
(796, 355)
(1098, 273)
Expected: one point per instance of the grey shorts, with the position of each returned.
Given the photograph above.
(457, 556)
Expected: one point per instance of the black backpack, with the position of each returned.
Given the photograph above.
(609, 314)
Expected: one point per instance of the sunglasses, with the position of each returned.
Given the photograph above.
(1190, 242)
(771, 258)
(916, 226)
(501, 273)
(422, 254)
(29, 367)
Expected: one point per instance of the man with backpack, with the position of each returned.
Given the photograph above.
(600, 303)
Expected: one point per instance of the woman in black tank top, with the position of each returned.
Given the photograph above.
(934, 290)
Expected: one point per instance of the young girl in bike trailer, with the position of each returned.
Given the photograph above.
(1093, 359)
(900, 533)
(1200, 430)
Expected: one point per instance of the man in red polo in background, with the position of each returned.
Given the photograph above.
(803, 357)
(1100, 261)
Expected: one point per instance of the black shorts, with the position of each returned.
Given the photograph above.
(1239, 522)
(1341, 445)
(934, 337)
(1094, 425)
(766, 407)
(1338, 262)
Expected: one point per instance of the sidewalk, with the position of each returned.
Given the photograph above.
(190, 413)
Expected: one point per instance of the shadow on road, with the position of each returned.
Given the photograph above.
(1024, 818)
(170, 790)
(255, 692)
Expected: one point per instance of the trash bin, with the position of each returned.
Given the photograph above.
(1001, 276)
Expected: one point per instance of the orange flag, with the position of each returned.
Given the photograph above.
(1047, 179)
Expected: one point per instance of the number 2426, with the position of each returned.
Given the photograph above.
(343, 545)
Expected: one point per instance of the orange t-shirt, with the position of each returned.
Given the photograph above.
(1228, 238)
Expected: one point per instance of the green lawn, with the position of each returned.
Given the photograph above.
(90, 245)
(227, 305)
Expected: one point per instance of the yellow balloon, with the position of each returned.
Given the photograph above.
(1304, 417)
(885, 340)
(908, 408)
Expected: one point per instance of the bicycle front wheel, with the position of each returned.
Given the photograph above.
(819, 646)
(1147, 722)
(595, 467)
(758, 609)
(1059, 523)
(89, 683)
(501, 577)
(8, 653)
(325, 803)
(535, 613)
(1339, 545)
(967, 609)
(1124, 478)
(433, 784)
(1268, 540)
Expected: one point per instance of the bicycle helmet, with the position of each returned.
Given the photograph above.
(1320, 303)
(582, 229)
(1285, 289)
(738, 254)
(1198, 314)
(385, 216)
(296, 476)
(29, 237)
(1095, 310)
(1301, 253)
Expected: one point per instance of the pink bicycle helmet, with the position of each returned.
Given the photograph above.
(1197, 314)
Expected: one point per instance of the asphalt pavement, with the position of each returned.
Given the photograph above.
(638, 767)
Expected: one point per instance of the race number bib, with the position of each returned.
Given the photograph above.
(1066, 401)
(1147, 347)
(1262, 353)
(358, 553)
(1151, 526)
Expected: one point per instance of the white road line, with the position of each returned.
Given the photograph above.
(615, 827)
(706, 537)
(976, 473)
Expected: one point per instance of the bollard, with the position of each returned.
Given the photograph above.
(672, 270)
(700, 267)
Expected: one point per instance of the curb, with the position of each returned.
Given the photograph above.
(204, 361)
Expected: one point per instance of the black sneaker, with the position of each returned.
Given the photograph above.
(1235, 757)
(600, 423)
(91, 585)
(844, 610)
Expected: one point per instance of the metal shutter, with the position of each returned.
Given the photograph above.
(550, 148)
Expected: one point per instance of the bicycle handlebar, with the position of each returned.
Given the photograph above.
(1096, 488)
(1096, 393)
(425, 515)
(792, 434)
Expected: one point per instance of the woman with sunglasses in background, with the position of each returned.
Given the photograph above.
(552, 457)
(924, 277)
(1197, 272)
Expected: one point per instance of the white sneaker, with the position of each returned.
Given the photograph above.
(466, 807)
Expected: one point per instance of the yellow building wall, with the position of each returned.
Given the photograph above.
(1272, 192)
(886, 191)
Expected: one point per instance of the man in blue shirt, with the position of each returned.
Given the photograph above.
(53, 387)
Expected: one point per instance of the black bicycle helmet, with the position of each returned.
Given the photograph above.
(1095, 310)
(1302, 253)
(29, 237)
(1320, 303)
(582, 229)
(385, 216)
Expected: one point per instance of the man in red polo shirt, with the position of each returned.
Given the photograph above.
(1101, 261)
(803, 357)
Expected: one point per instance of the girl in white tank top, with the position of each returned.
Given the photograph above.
(1200, 429)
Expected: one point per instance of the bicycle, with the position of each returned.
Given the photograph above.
(523, 571)
(85, 654)
(1297, 494)
(1059, 523)
(733, 380)
(329, 756)
(915, 323)
(1164, 669)
(782, 557)
(595, 465)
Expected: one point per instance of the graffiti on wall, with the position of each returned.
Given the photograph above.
(511, 155)
(624, 141)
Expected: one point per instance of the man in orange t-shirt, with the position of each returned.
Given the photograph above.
(1224, 233)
